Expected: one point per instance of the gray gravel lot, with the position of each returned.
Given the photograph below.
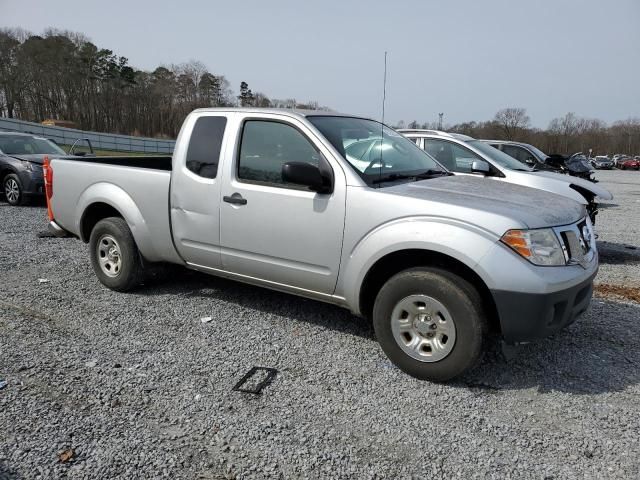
(138, 387)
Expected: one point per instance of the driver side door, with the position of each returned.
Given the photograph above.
(273, 231)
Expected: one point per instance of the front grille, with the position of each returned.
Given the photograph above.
(578, 242)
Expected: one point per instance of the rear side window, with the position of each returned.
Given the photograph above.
(204, 146)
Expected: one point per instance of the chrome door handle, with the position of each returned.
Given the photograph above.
(235, 199)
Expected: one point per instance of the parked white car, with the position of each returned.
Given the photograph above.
(464, 155)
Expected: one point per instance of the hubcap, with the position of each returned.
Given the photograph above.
(11, 190)
(423, 328)
(109, 256)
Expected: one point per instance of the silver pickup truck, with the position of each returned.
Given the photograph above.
(272, 198)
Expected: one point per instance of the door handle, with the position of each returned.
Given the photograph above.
(235, 199)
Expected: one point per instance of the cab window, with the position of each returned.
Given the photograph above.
(203, 153)
(266, 146)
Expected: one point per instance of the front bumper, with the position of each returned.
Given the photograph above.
(530, 316)
(32, 182)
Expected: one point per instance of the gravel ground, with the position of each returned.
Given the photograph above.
(107, 385)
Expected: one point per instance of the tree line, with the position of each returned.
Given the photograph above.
(61, 75)
(564, 135)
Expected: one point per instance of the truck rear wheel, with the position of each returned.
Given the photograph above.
(114, 255)
(430, 323)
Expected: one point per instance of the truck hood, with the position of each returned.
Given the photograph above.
(601, 193)
(529, 206)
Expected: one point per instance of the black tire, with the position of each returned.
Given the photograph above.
(130, 270)
(13, 181)
(462, 301)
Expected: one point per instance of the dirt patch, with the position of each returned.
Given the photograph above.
(628, 293)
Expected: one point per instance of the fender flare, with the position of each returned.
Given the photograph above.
(121, 201)
(463, 242)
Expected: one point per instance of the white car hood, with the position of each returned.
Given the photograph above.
(601, 193)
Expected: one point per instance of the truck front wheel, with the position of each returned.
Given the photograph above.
(430, 323)
(114, 255)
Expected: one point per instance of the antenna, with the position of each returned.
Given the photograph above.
(384, 98)
(384, 85)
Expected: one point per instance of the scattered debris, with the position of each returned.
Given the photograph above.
(628, 293)
(198, 397)
(91, 363)
(43, 280)
(3, 383)
(206, 319)
(117, 365)
(66, 455)
(268, 373)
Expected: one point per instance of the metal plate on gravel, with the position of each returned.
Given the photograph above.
(256, 388)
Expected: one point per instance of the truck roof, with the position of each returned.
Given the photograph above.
(440, 133)
(282, 111)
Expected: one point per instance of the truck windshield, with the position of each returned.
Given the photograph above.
(24, 145)
(377, 153)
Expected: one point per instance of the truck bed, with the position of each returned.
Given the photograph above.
(137, 186)
(155, 162)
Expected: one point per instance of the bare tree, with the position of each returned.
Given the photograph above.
(512, 121)
(261, 100)
(565, 129)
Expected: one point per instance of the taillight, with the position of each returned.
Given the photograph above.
(47, 172)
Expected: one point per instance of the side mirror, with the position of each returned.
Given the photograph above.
(303, 173)
(480, 166)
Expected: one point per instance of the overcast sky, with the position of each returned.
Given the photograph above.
(466, 58)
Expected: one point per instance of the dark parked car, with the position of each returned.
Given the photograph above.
(537, 159)
(601, 163)
(21, 157)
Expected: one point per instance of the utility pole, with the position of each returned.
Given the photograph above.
(440, 115)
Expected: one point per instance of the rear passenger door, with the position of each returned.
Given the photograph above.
(195, 190)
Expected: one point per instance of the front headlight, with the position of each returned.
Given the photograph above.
(28, 166)
(540, 247)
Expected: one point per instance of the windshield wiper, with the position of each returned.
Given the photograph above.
(392, 177)
(433, 173)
